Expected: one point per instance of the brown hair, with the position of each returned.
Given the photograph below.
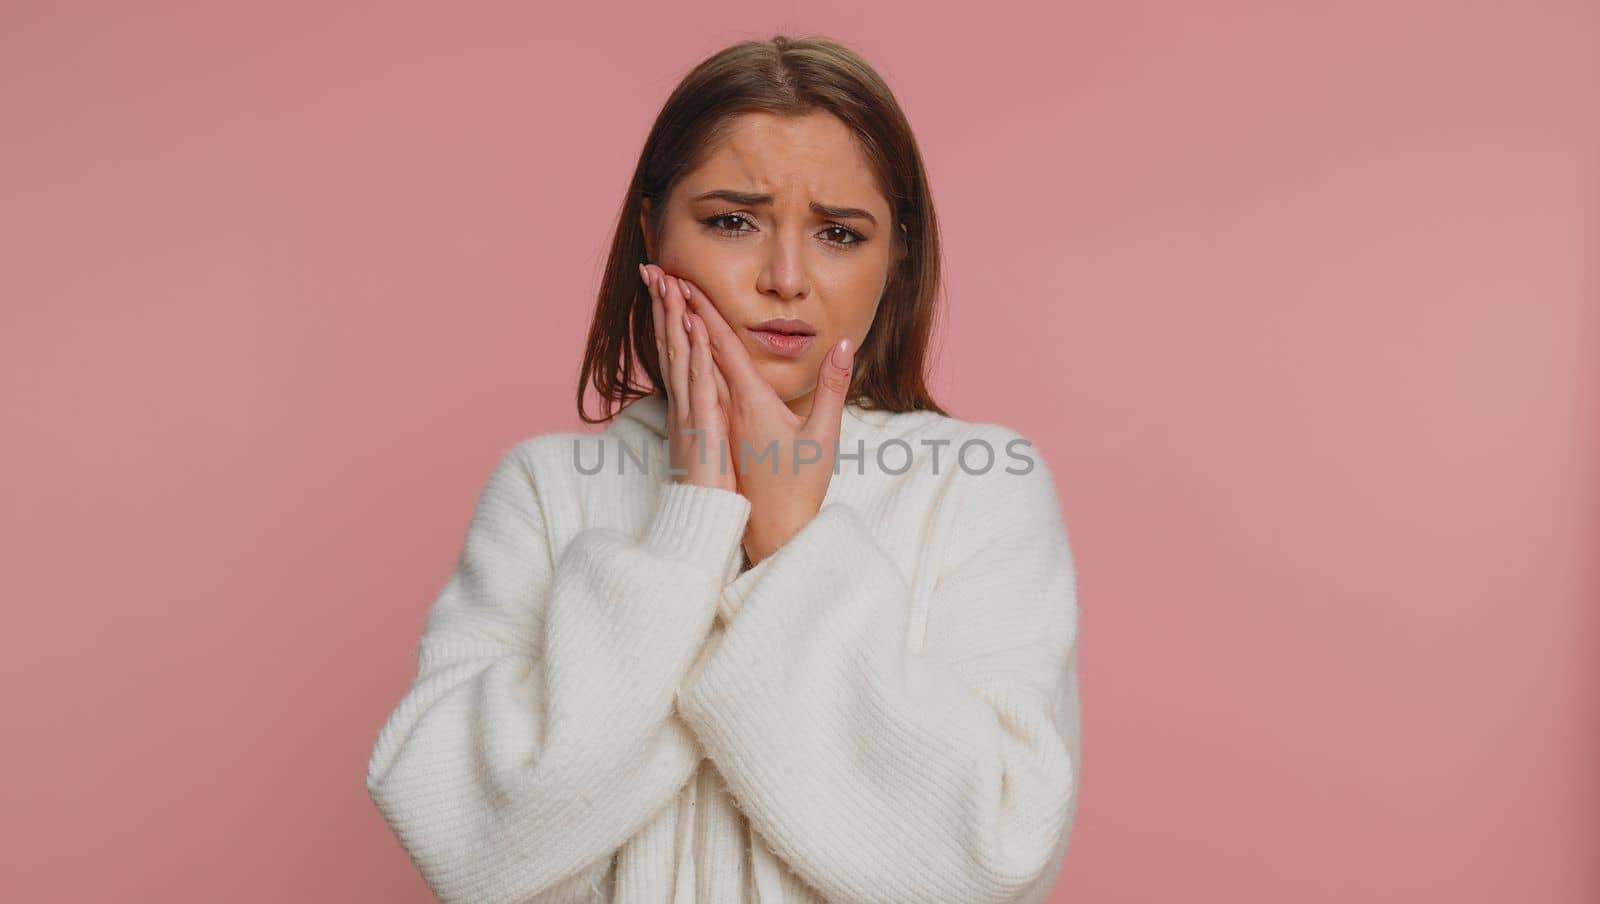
(788, 77)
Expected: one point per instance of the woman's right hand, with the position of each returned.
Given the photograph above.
(697, 425)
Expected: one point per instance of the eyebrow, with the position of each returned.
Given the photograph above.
(750, 200)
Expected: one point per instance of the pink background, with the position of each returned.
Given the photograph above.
(1300, 304)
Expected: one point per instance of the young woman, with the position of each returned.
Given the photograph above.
(821, 649)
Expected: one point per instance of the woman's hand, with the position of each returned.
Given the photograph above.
(782, 500)
(692, 401)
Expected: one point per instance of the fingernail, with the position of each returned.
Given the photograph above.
(688, 325)
(661, 286)
(843, 354)
(644, 277)
(684, 285)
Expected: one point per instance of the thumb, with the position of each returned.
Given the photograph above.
(833, 388)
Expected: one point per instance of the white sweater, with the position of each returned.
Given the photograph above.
(606, 709)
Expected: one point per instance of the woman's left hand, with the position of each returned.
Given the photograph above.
(785, 490)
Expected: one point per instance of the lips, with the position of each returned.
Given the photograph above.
(784, 345)
(785, 326)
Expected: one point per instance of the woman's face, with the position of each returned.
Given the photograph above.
(745, 227)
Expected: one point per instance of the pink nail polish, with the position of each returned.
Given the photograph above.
(688, 325)
(684, 285)
(843, 354)
(661, 286)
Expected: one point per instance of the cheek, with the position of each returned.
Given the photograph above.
(864, 298)
(706, 273)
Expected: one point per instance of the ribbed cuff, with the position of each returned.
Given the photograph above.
(700, 525)
(738, 591)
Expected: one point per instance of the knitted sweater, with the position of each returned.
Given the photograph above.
(607, 709)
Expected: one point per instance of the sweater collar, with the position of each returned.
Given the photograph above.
(857, 423)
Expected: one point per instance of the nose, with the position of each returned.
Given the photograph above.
(784, 272)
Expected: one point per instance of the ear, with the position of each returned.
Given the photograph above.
(644, 228)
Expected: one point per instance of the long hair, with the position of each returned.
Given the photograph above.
(787, 77)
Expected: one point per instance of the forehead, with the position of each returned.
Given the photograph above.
(795, 159)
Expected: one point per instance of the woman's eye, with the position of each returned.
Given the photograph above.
(839, 235)
(853, 236)
(714, 222)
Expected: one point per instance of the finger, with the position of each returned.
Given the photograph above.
(677, 348)
(663, 335)
(658, 311)
(739, 370)
(703, 386)
(724, 396)
(833, 388)
(658, 329)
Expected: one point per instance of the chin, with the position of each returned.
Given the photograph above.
(784, 378)
(784, 388)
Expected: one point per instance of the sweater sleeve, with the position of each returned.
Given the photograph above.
(538, 734)
(880, 773)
